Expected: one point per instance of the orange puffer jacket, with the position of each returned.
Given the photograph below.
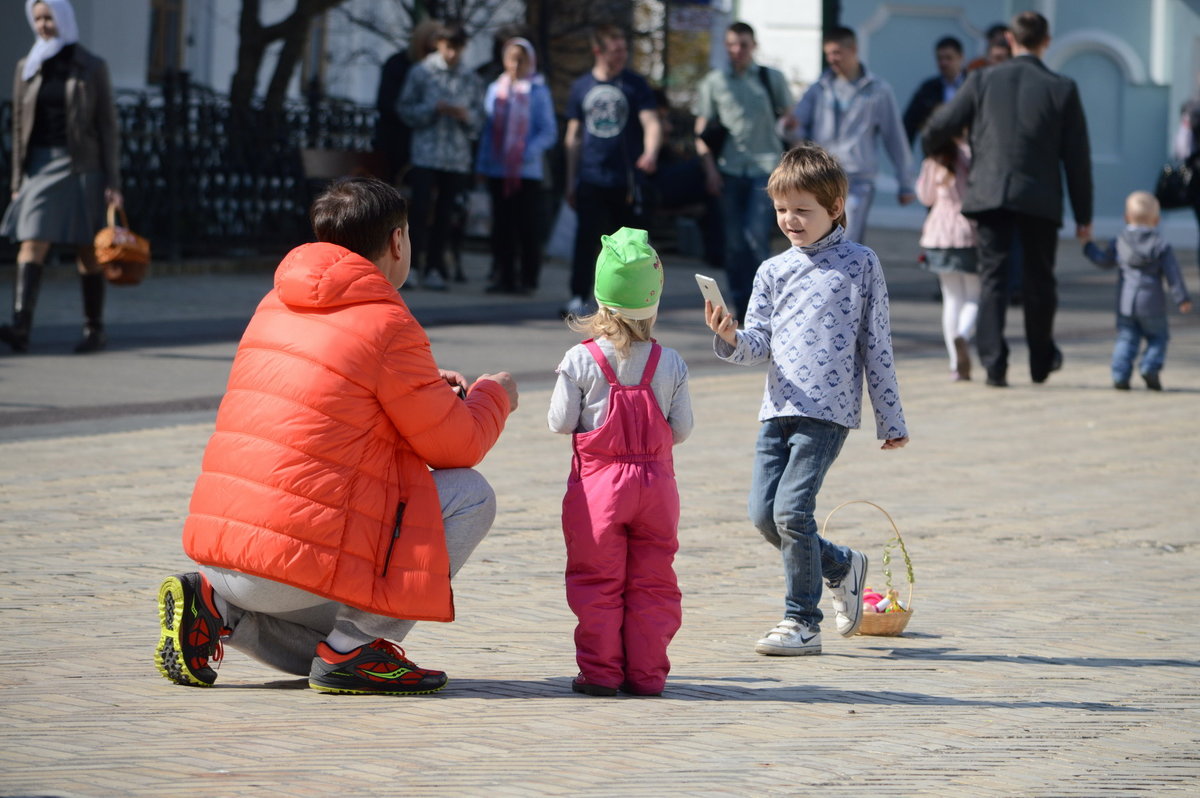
(333, 416)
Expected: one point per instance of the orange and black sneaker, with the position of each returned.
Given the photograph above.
(378, 667)
(191, 630)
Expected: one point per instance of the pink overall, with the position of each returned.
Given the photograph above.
(620, 520)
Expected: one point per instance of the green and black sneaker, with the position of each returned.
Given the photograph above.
(191, 631)
(378, 667)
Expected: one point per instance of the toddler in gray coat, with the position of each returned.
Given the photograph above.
(1143, 260)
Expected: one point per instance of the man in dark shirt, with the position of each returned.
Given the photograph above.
(938, 89)
(613, 138)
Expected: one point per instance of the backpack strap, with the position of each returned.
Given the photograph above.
(602, 359)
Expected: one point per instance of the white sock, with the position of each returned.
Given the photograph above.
(343, 643)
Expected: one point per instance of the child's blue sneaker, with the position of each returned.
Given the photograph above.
(790, 638)
(847, 595)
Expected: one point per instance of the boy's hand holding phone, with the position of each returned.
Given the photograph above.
(716, 311)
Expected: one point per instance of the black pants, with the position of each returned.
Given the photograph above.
(434, 193)
(998, 229)
(517, 224)
(600, 211)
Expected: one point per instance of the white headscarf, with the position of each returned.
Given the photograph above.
(45, 49)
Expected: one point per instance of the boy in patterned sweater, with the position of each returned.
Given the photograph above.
(819, 315)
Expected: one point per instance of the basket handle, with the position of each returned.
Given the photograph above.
(895, 529)
(113, 210)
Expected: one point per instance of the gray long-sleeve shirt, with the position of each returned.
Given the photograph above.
(819, 314)
(580, 399)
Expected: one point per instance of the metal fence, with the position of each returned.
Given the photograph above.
(201, 179)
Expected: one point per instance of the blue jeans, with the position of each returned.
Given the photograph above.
(858, 206)
(792, 457)
(1130, 332)
(749, 216)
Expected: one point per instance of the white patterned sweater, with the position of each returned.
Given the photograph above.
(819, 314)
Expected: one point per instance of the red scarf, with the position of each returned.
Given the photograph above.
(510, 118)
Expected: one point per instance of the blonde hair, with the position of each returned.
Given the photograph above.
(1142, 207)
(807, 167)
(605, 323)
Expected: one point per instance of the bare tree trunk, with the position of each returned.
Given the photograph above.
(253, 40)
(249, 56)
(293, 48)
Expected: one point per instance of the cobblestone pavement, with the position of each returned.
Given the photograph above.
(1052, 651)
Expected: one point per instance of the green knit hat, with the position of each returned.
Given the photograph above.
(629, 275)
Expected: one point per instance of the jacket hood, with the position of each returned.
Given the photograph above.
(327, 276)
(1137, 247)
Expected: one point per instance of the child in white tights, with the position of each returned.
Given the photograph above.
(949, 240)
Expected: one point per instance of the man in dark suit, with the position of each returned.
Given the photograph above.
(939, 89)
(1026, 128)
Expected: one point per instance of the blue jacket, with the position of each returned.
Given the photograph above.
(543, 133)
(853, 136)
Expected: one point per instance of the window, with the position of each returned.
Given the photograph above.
(166, 39)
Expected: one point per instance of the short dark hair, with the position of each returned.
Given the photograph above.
(950, 42)
(603, 34)
(841, 35)
(452, 32)
(997, 31)
(359, 213)
(1030, 29)
(741, 29)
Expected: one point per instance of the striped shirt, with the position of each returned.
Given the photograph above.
(819, 315)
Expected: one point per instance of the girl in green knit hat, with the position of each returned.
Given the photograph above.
(624, 400)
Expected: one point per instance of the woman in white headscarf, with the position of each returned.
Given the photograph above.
(520, 127)
(65, 166)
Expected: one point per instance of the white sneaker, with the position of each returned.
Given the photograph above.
(434, 282)
(790, 638)
(847, 595)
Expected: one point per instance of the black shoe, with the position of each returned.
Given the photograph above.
(94, 340)
(1121, 385)
(17, 340)
(191, 630)
(1056, 364)
(580, 685)
(378, 668)
(1152, 381)
(997, 382)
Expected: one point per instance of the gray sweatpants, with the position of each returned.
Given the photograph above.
(281, 625)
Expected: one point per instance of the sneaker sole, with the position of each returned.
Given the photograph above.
(168, 657)
(785, 651)
(324, 688)
(853, 630)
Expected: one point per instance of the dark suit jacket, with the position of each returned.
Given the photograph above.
(927, 97)
(1026, 128)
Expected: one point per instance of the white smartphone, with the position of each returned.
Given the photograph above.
(711, 292)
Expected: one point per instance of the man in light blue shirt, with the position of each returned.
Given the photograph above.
(748, 100)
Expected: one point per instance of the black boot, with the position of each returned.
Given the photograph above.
(94, 338)
(25, 295)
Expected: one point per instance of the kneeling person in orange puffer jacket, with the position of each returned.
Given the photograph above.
(337, 496)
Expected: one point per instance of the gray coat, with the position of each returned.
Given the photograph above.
(1143, 260)
(1026, 128)
(854, 136)
(93, 139)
